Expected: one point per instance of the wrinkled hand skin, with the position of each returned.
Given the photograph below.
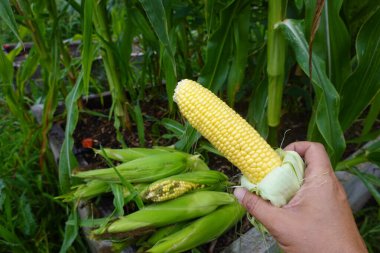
(318, 218)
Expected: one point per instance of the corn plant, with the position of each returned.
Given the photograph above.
(276, 48)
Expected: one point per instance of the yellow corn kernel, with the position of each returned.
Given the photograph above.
(234, 137)
(169, 189)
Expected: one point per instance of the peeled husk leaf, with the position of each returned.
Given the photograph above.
(282, 183)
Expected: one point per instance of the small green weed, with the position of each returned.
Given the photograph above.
(31, 220)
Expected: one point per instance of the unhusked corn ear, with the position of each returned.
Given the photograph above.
(147, 169)
(234, 137)
(201, 230)
(157, 215)
(129, 154)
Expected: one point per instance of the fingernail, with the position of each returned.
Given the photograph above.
(239, 193)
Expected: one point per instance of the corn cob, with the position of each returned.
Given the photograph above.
(184, 208)
(147, 169)
(177, 185)
(202, 230)
(226, 130)
(238, 142)
(169, 189)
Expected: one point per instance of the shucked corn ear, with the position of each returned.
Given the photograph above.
(276, 176)
(184, 208)
(202, 230)
(177, 185)
(147, 169)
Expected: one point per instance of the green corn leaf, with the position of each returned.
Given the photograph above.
(157, 16)
(332, 41)
(356, 13)
(169, 69)
(363, 85)
(88, 48)
(299, 4)
(219, 48)
(239, 58)
(373, 152)
(371, 188)
(174, 126)
(125, 33)
(188, 139)
(365, 137)
(110, 60)
(372, 116)
(139, 21)
(325, 119)
(257, 115)
(372, 179)
(67, 161)
(7, 15)
(71, 231)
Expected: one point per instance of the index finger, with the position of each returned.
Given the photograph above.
(314, 154)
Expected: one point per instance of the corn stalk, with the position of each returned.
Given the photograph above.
(276, 53)
(120, 103)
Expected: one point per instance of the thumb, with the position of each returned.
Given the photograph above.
(262, 210)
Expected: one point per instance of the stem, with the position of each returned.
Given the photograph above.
(273, 137)
(116, 89)
(276, 61)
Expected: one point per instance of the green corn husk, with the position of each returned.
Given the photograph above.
(147, 242)
(177, 185)
(184, 208)
(129, 154)
(146, 169)
(86, 191)
(164, 232)
(95, 188)
(202, 230)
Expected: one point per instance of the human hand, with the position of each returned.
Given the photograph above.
(318, 218)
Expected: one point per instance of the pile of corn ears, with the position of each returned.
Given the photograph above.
(181, 203)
